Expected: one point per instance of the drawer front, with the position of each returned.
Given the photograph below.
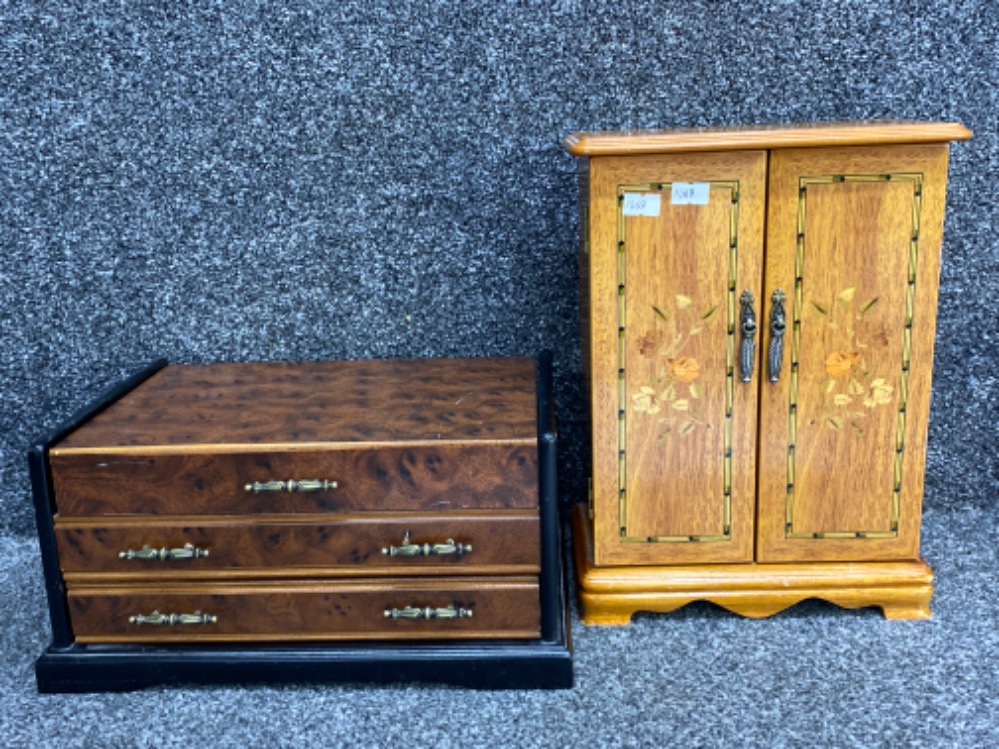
(493, 543)
(438, 478)
(445, 609)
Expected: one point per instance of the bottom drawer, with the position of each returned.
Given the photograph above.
(444, 608)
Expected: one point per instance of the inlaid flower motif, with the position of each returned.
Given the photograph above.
(852, 379)
(880, 393)
(646, 401)
(841, 363)
(674, 391)
(684, 369)
(650, 343)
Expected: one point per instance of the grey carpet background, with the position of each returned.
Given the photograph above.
(249, 181)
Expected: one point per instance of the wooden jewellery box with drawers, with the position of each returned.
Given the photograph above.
(337, 521)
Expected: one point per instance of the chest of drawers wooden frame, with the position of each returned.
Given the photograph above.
(758, 309)
(339, 521)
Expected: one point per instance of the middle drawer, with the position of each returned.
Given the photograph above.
(496, 542)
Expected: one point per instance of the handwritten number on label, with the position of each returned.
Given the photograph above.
(689, 193)
(641, 204)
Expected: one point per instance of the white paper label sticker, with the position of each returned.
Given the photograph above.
(690, 193)
(641, 204)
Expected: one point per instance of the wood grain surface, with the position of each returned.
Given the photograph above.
(611, 595)
(816, 134)
(847, 425)
(227, 407)
(425, 477)
(296, 611)
(316, 547)
(425, 452)
(673, 430)
(826, 462)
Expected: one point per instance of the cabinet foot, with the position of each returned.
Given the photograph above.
(610, 596)
(915, 610)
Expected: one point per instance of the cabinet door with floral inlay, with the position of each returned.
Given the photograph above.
(675, 241)
(853, 242)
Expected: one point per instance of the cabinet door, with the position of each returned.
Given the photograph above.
(853, 238)
(675, 239)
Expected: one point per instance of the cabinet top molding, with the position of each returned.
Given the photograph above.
(803, 135)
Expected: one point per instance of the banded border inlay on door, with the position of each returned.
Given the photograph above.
(732, 187)
(916, 180)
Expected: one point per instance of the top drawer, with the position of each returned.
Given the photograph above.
(417, 435)
(417, 478)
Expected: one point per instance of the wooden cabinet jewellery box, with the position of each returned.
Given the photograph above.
(759, 308)
(388, 521)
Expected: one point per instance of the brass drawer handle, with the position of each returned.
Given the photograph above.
(188, 551)
(173, 619)
(778, 324)
(426, 550)
(416, 612)
(747, 326)
(305, 485)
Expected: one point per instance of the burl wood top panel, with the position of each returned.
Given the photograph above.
(803, 135)
(253, 406)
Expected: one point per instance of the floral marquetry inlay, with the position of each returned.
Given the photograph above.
(675, 346)
(675, 391)
(865, 377)
(853, 386)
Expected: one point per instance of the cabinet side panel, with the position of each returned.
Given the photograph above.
(583, 183)
(680, 239)
(854, 238)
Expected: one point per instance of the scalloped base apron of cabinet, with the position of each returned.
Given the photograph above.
(758, 309)
(340, 521)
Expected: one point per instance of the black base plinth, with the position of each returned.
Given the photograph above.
(480, 665)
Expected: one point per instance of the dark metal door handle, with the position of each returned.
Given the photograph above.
(747, 326)
(778, 324)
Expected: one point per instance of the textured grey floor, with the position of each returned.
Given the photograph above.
(813, 676)
(252, 180)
